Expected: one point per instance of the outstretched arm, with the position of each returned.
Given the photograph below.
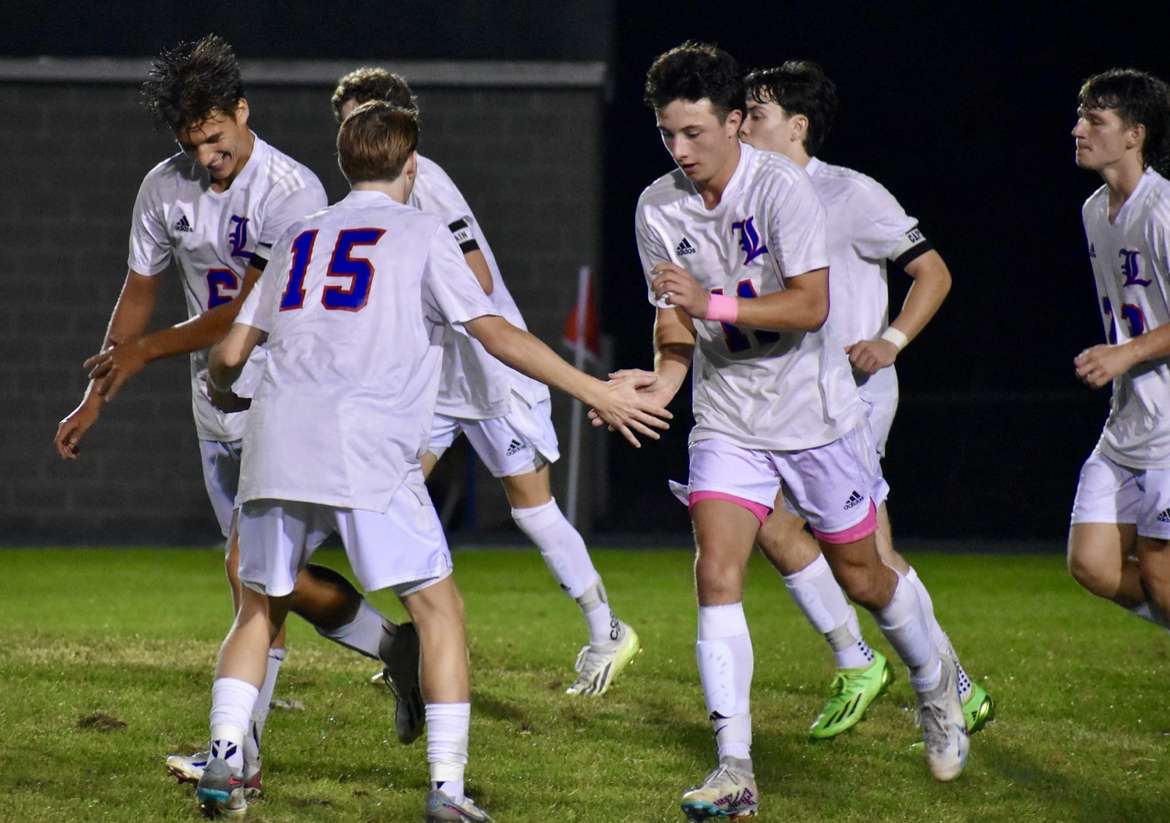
(932, 283)
(128, 320)
(228, 357)
(124, 358)
(619, 404)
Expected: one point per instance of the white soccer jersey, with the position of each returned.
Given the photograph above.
(212, 237)
(475, 385)
(355, 302)
(865, 227)
(1131, 266)
(760, 389)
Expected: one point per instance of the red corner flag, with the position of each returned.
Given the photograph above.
(584, 313)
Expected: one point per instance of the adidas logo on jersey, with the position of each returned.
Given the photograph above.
(684, 247)
(855, 499)
(514, 447)
(183, 225)
(1164, 516)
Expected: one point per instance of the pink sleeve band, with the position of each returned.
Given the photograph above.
(722, 308)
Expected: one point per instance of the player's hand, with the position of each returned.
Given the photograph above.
(74, 426)
(628, 411)
(675, 286)
(113, 366)
(227, 401)
(1098, 365)
(647, 383)
(870, 356)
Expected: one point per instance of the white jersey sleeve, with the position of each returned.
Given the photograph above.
(651, 249)
(285, 209)
(150, 242)
(451, 294)
(797, 229)
(879, 227)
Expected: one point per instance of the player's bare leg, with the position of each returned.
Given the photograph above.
(1153, 557)
(894, 602)
(1100, 558)
(612, 644)
(724, 535)
(437, 612)
(863, 674)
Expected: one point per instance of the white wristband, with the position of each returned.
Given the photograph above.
(896, 337)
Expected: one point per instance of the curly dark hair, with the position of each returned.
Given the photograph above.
(798, 87)
(1139, 98)
(692, 72)
(186, 84)
(372, 83)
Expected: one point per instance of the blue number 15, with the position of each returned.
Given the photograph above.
(350, 297)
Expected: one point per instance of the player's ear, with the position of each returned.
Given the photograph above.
(240, 115)
(733, 122)
(1136, 136)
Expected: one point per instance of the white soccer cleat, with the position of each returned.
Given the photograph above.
(728, 792)
(188, 768)
(598, 666)
(442, 809)
(944, 730)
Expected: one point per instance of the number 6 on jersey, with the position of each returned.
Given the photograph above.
(351, 297)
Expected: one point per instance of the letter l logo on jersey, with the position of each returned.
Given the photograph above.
(749, 239)
(238, 236)
(1131, 268)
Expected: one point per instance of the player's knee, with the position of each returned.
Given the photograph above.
(1091, 571)
(862, 583)
(782, 543)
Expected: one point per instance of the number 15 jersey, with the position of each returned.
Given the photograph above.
(212, 237)
(782, 391)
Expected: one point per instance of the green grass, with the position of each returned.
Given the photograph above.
(1082, 733)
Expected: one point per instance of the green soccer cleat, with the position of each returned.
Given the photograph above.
(978, 709)
(852, 692)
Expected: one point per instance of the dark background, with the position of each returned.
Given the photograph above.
(963, 113)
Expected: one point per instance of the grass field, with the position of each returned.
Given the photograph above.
(1083, 733)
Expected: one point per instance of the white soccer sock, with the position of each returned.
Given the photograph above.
(564, 552)
(604, 629)
(448, 725)
(902, 622)
(232, 701)
(1146, 611)
(263, 705)
(363, 634)
(937, 635)
(819, 596)
(724, 653)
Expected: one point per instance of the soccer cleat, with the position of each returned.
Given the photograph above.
(979, 709)
(944, 732)
(726, 792)
(401, 658)
(442, 809)
(597, 667)
(188, 768)
(852, 692)
(220, 792)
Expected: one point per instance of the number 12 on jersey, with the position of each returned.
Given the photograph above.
(350, 297)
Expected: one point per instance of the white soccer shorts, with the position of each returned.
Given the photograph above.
(832, 486)
(221, 476)
(402, 547)
(880, 395)
(521, 441)
(1111, 493)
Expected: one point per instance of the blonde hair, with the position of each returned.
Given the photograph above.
(375, 141)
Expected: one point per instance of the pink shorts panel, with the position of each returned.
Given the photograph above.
(758, 509)
(854, 533)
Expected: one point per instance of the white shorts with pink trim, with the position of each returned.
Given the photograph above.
(835, 487)
(401, 548)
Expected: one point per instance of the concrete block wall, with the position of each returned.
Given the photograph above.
(527, 156)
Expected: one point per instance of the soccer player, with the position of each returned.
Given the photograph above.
(790, 110)
(506, 416)
(353, 303)
(732, 244)
(1119, 540)
(214, 210)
